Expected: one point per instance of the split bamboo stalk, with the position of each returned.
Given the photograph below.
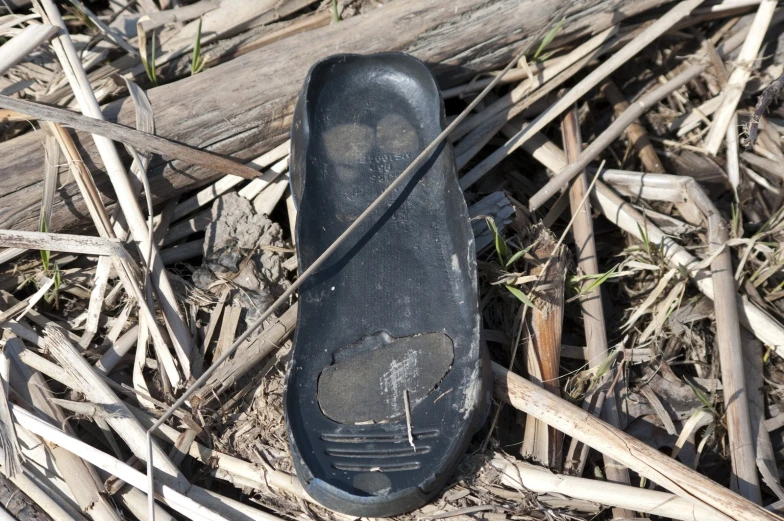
(66, 54)
(611, 134)
(135, 502)
(739, 427)
(20, 46)
(269, 177)
(40, 467)
(96, 390)
(222, 505)
(525, 477)
(591, 301)
(737, 82)
(627, 450)
(80, 244)
(648, 35)
(543, 346)
(636, 133)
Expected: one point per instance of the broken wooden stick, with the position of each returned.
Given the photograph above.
(543, 346)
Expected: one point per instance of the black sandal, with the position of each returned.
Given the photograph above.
(387, 382)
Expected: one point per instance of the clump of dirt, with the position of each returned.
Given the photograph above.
(246, 250)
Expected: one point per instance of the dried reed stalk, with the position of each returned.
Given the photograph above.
(527, 86)
(590, 302)
(725, 297)
(525, 478)
(81, 478)
(755, 381)
(20, 46)
(627, 450)
(186, 506)
(89, 383)
(77, 78)
(628, 218)
(223, 185)
(651, 33)
(611, 134)
(126, 270)
(737, 82)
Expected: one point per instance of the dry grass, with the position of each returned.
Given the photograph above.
(660, 247)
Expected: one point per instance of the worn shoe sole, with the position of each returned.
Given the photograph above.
(387, 339)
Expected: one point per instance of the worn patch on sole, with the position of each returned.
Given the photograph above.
(369, 386)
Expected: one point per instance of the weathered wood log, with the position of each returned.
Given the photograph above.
(242, 108)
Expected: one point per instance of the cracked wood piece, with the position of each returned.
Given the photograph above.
(246, 117)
